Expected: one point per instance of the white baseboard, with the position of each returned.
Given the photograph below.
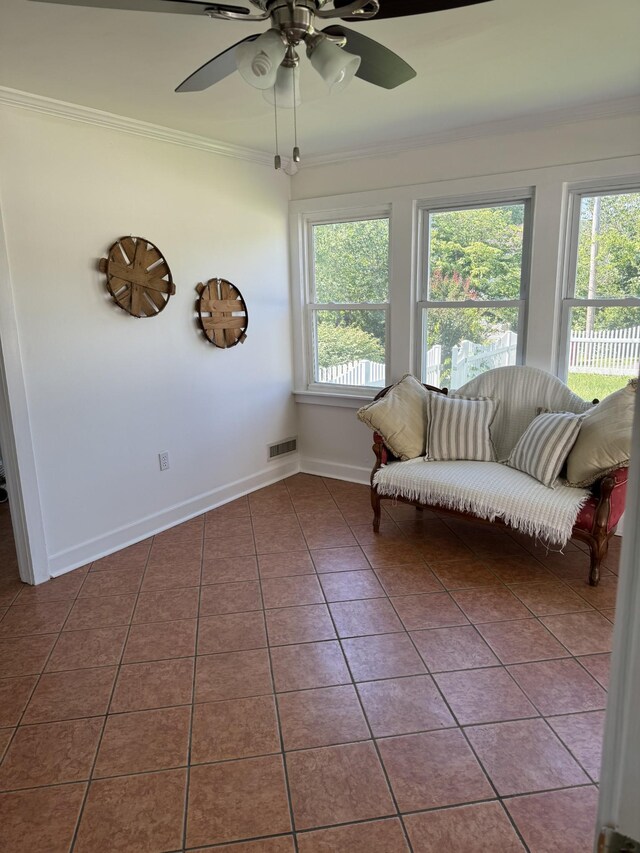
(335, 470)
(93, 549)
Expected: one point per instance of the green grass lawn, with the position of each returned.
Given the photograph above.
(592, 385)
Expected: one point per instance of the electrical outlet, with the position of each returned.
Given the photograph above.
(164, 460)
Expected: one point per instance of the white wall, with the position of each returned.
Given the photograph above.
(107, 392)
(547, 161)
(334, 443)
(490, 153)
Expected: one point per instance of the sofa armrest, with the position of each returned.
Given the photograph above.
(604, 509)
(611, 495)
(382, 452)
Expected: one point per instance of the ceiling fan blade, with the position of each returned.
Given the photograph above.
(399, 8)
(214, 70)
(182, 7)
(378, 65)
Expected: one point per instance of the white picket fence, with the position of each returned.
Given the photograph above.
(363, 372)
(468, 360)
(613, 352)
(434, 366)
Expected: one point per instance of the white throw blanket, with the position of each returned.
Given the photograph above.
(488, 490)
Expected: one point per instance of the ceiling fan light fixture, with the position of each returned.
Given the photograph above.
(285, 93)
(336, 67)
(258, 61)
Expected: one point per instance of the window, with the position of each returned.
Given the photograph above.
(348, 308)
(601, 311)
(473, 290)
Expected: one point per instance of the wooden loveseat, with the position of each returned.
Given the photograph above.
(596, 509)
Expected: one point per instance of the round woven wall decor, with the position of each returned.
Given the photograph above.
(223, 314)
(138, 276)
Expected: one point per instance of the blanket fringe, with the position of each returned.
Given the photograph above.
(481, 509)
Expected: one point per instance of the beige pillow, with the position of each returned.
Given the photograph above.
(604, 441)
(400, 417)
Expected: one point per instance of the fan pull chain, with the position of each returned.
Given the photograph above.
(296, 150)
(277, 160)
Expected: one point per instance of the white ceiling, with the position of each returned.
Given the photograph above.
(498, 60)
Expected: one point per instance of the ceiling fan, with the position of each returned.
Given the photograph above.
(270, 61)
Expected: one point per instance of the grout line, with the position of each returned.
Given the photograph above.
(366, 719)
(24, 710)
(586, 610)
(193, 700)
(277, 712)
(100, 778)
(229, 845)
(570, 751)
(106, 714)
(463, 728)
(589, 783)
(473, 751)
(42, 672)
(301, 689)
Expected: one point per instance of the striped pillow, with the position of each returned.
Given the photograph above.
(459, 428)
(544, 446)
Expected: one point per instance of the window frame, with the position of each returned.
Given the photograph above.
(575, 195)
(310, 308)
(524, 196)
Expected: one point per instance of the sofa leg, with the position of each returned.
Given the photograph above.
(598, 549)
(375, 504)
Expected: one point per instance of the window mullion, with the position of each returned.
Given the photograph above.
(474, 303)
(310, 344)
(604, 302)
(349, 306)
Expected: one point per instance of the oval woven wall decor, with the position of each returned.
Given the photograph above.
(223, 313)
(138, 276)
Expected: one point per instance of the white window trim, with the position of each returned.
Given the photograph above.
(309, 308)
(523, 196)
(549, 222)
(575, 193)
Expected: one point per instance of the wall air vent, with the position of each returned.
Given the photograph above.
(281, 448)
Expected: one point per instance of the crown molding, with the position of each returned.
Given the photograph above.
(88, 115)
(111, 121)
(531, 121)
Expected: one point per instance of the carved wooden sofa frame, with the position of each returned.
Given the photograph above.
(596, 523)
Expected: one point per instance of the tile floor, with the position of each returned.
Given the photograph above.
(273, 677)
